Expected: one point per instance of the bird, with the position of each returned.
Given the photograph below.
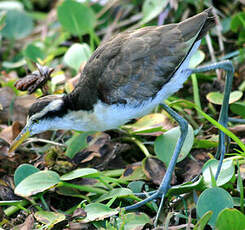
(126, 77)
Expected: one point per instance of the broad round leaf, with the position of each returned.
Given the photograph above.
(196, 59)
(238, 108)
(49, 218)
(217, 98)
(18, 25)
(75, 17)
(115, 193)
(151, 9)
(36, 183)
(78, 173)
(76, 55)
(97, 211)
(230, 219)
(133, 221)
(226, 173)
(24, 171)
(165, 144)
(214, 199)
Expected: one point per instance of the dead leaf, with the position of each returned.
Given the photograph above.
(100, 151)
(190, 168)
(155, 170)
(14, 108)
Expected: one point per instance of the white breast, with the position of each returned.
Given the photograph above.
(105, 117)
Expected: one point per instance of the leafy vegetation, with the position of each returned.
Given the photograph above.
(75, 180)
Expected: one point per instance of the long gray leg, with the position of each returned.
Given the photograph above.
(223, 117)
(165, 184)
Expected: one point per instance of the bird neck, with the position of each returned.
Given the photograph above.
(82, 97)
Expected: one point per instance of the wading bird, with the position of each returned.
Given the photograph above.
(125, 78)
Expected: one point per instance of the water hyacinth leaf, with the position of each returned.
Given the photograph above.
(76, 55)
(36, 183)
(17, 25)
(215, 200)
(197, 59)
(165, 144)
(203, 221)
(24, 171)
(151, 9)
(226, 173)
(79, 173)
(230, 219)
(217, 97)
(115, 193)
(148, 124)
(133, 221)
(34, 52)
(97, 211)
(238, 108)
(76, 18)
(49, 218)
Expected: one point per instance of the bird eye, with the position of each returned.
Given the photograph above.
(36, 121)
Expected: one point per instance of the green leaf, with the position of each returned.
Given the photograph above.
(226, 173)
(77, 173)
(34, 52)
(238, 108)
(215, 200)
(133, 221)
(148, 124)
(77, 143)
(188, 187)
(18, 25)
(165, 144)
(36, 183)
(24, 171)
(2, 19)
(76, 55)
(75, 17)
(115, 193)
(217, 98)
(97, 211)
(230, 219)
(49, 218)
(197, 59)
(200, 225)
(136, 186)
(238, 22)
(14, 65)
(151, 9)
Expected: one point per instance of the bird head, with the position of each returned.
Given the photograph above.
(43, 115)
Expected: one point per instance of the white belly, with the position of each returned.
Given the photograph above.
(105, 117)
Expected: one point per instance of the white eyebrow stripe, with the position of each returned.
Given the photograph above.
(52, 106)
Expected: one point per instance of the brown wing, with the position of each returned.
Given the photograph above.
(135, 65)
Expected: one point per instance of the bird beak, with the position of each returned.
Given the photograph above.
(23, 135)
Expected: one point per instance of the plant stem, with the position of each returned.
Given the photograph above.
(139, 143)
